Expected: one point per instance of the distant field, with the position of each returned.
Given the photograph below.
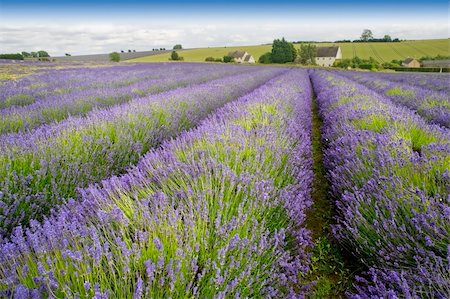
(380, 51)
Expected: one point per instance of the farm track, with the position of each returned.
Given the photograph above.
(396, 51)
(329, 267)
(376, 53)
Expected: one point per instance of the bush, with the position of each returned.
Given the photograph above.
(227, 59)
(218, 60)
(209, 58)
(114, 56)
(174, 56)
(265, 58)
(17, 56)
(356, 62)
(177, 47)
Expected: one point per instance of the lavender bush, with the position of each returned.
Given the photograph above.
(216, 213)
(389, 172)
(433, 81)
(56, 95)
(433, 105)
(41, 168)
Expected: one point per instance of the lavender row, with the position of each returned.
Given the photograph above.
(42, 168)
(438, 82)
(62, 80)
(80, 101)
(56, 81)
(216, 213)
(434, 106)
(389, 172)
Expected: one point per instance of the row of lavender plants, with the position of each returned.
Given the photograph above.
(62, 79)
(389, 172)
(434, 106)
(216, 213)
(41, 168)
(438, 82)
(102, 88)
(54, 81)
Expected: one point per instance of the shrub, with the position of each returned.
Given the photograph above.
(265, 58)
(209, 58)
(17, 56)
(174, 56)
(356, 62)
(227, 59)
(114, 56)
(218, 60)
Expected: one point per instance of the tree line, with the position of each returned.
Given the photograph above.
(23, 55)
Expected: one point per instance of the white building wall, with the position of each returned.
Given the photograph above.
(325, 61)
(339, 53)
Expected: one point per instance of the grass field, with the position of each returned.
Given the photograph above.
(380, 51)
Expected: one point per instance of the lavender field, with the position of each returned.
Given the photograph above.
(192, 180)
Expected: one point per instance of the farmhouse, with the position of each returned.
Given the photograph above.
(326, 56)
(242, 57)
(410, 62)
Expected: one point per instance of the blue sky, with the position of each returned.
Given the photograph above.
(83, 27)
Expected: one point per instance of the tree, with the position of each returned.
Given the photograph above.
(265, 58)
(282, 51)
(209, 59)
(42, 54)
(67, 54)
(308, 54)
(26, 54)
(387, 38)
(177, 47)
(129, 51)
(174, 56)
(34, 54)
(294, 52)
(114, 56)
(366, 35)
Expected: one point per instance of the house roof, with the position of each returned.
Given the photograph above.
(237, 54)
(327, 51)
(436, 63)
(247, 58)
(408, 60)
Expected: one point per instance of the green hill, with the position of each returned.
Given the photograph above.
(380, 51)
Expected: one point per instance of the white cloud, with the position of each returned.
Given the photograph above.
(95, 37)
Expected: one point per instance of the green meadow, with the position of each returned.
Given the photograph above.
(380, 51)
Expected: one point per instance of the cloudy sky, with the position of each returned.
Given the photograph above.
(87, 27)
